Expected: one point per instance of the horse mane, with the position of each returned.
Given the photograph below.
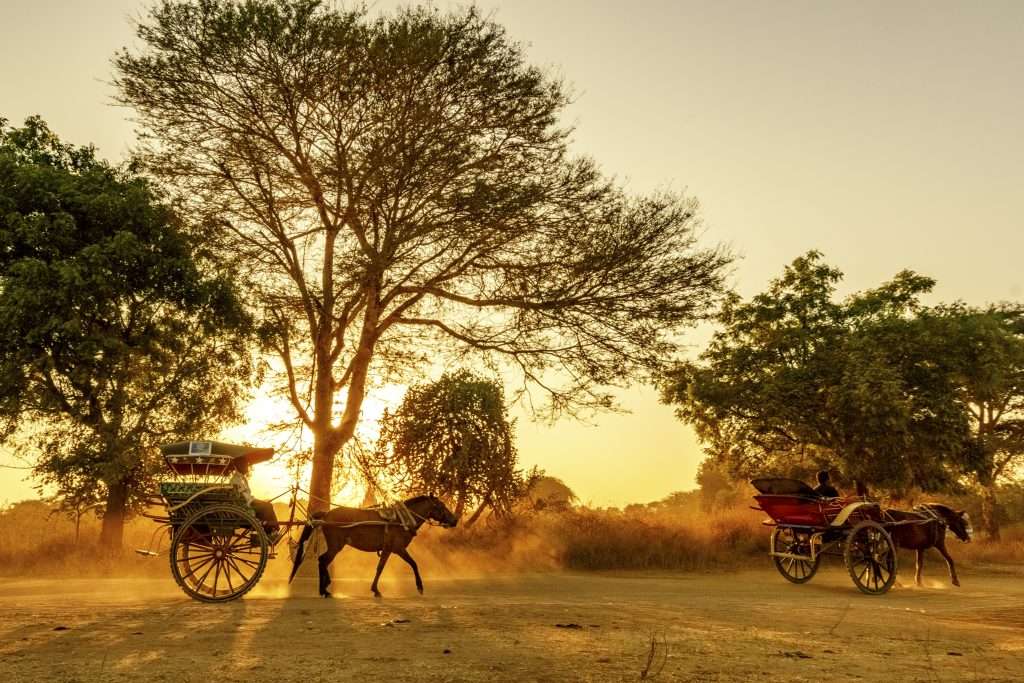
(940, 507)
(417, 499)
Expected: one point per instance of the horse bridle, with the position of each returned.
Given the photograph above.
(429, 521)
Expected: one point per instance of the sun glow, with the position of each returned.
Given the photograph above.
(267, 411)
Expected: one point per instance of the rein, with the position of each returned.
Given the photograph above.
(405, 518)
(931, 514)
(423, 520)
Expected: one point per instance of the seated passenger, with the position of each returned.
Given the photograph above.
(824, 487)
(264, 510)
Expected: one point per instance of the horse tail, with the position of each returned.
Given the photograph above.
(307, 531)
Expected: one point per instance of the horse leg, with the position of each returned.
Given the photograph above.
(324, 562)
(404, 554)
(941, 546)
(384, 554)
(920, 566)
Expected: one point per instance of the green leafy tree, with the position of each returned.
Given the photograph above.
(795, 380)
(112, 337)
(401, 188)
(986, 349)
(453, 438)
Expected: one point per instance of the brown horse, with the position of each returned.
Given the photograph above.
(367, 529)
(925, 527)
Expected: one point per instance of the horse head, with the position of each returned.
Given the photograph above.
(957, 521)
(433, 508)
(962, 528)
(439, 512)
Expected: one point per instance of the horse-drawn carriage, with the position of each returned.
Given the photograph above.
(219, 545)
(808, 526)
(219, 548)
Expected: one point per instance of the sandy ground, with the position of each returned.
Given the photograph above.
(742, 626)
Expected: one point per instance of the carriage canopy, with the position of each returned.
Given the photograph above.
(210, 458)
(780, 486)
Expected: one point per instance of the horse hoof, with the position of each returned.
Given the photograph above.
(376, 594)
(420, 589)
(956, 583)
(325, 594)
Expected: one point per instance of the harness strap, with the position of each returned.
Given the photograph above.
(927, 511)
(403, 516)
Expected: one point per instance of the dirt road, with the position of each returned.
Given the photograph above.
(726, 627)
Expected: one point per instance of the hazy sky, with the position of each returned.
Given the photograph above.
(888, 135)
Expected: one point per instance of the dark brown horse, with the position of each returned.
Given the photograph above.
(369, 530)
(925, 527)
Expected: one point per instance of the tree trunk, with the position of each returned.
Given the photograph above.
(476, 515)
(327, 439)
(324, 439)
(323, 471)
(989, 516)
(112, 531)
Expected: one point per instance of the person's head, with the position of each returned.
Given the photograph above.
(823, 477)
(242, 466)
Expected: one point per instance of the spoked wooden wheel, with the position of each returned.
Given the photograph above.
(219, 553)
(871, 558)
(787, 540)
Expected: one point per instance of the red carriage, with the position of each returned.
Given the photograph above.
(807, 527)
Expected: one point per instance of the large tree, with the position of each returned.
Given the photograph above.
(985, 348)
(796, 379)
(112, 337)
(401, 187)
(452, 437)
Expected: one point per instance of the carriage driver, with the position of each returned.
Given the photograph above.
(264, 510)
(824, 487)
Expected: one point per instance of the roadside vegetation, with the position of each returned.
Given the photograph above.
(679, 533)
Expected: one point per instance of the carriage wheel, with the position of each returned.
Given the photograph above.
(219, 553)
(788, 540)
(871, 558)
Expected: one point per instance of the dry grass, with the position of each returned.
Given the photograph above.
(599, 540)
(1008, 550)
(34, 541)
(594, 540)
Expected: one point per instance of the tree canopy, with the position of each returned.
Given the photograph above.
(400, 187)
(453, 438)
(984, 349)
(113, 335)
(795, 380)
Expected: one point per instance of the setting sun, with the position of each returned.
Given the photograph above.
(266, 410)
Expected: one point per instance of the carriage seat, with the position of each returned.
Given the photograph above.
(853, 509)
(185, 498)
